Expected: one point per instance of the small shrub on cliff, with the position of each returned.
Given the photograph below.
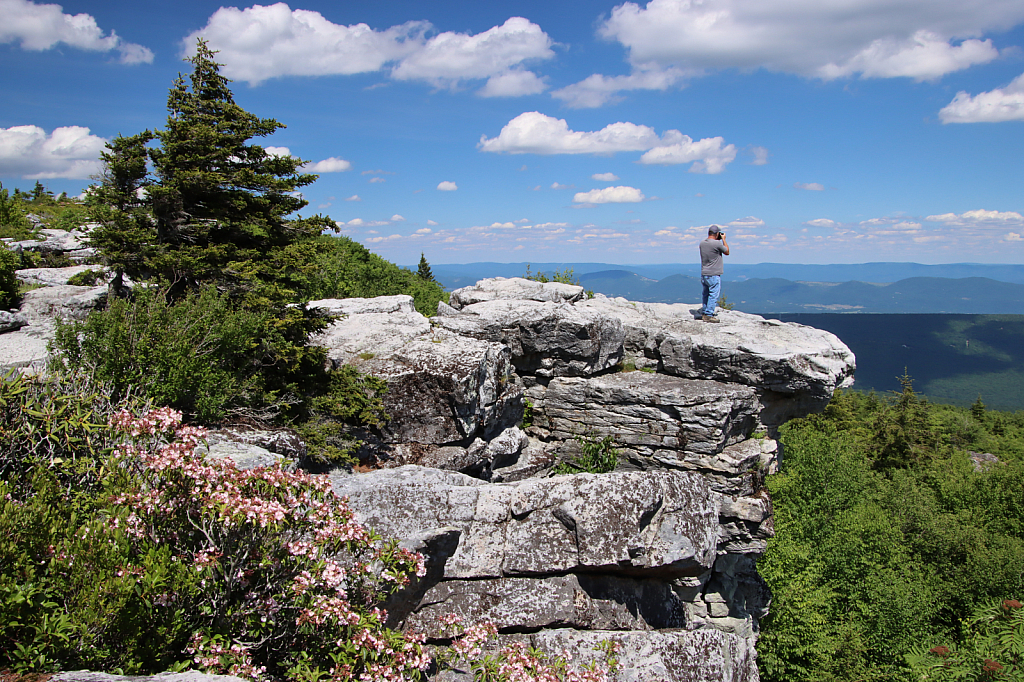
(86, 278)
(596, 457)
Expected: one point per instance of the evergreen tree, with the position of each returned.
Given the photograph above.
(424, 269)
(978, 409)
(215, 207)
(198, 205)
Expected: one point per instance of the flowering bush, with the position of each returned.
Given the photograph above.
(178, 561)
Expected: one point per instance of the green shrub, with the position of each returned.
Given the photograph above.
(70, 217)
(353, 402)
(343, 268)
(596, 457)
(8, 279)
(886, 537)
(992, 650)
(86, 278)
(13, 222)
(200, 355)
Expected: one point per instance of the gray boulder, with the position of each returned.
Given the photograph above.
(515, 289)
(546, 339)
(443, 389)
(64, 302)
(371, 327)
(585, 601)
(644, 524)
(25, 349)
(61, 240)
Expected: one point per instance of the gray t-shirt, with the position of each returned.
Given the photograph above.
(711, 251)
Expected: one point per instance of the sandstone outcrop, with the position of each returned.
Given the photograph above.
(658, 555)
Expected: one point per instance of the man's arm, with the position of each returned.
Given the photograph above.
(725, 244)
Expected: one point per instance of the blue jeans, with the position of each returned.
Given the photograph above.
(712, 285)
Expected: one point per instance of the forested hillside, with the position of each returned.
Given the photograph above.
(895, 538)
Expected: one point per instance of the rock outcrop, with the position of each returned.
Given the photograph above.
(24, 334)
(658, 555)
(507, 382)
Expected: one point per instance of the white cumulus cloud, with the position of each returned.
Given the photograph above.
(268, 41)
(994, 106)
(67, 152)
(515, 83)
(597, 90)
(354, 197)
(810, 186)
(760, 155)
(449, 57)
(432, 223)
(262, 42)
(535, 133)
(329, 165)
(921, 39)
(709, 155)
(604, 177)
(979, 217)
(821, 222)
(447, 186)
(41, 26)
(609, 195)
(397, 218)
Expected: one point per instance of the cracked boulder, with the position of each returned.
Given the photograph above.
(643, 524)
(665, 656)
(517, 289)
(443, 389)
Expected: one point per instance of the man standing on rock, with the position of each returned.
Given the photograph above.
(711, 268)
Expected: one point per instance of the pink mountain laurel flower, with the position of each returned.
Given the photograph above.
(265, 541)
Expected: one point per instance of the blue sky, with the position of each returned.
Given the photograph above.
(816, 131)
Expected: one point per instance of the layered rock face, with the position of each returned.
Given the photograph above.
(659, 554)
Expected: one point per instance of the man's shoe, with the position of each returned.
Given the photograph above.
(709, 318)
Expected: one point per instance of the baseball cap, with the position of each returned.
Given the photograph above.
(714, 229)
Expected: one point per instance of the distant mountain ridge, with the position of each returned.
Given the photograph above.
(969, 288)
(458, 275)
(972, 295)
